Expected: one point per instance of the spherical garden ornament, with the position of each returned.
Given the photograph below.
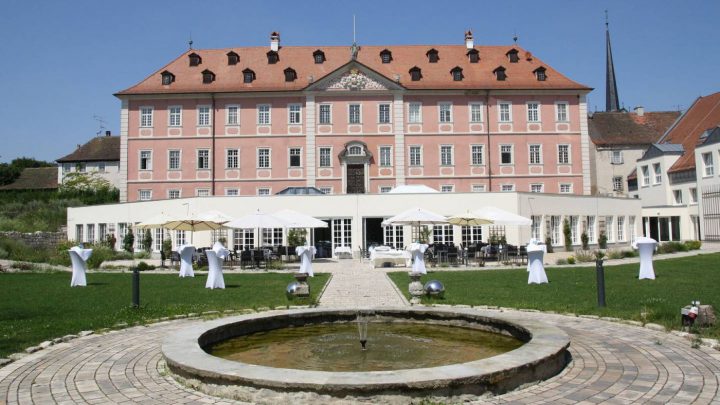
(292, 288)
(434, 288)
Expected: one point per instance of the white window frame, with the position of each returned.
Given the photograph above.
(539, 186)
(507, 188)
(258, 161)
(419, 157)
(539, 156)
(146, 192)
(657, 173)
(146, 118)
(264, 117)
(677, 197)
(385, 160)
(384, 189)
(350, 115)
(419, 113)
(616, 157)
(447, 188)
(197, 159)
(101, 167)
(645, 172)
(170, 193)
(329, 156)
(481, 155)
(452, 155)
(294, 117)
(569, 187)
(568, 157)
(500, 105)
(326, 189)
(692, 193)
(708, 164)
(591, 227)
(478, 188)
(617, 185)
(170, 159)
(380, 114)
(558, 117)
(512, 154)
(228, 121)
(536, 111)
(471, 109)
(174, 118)
(610, 227)
(329, 113)
(202, 192)
(441, 105)
(263, 191)
(232, 164)
(204, 119)
(149, 163)
(300, 156)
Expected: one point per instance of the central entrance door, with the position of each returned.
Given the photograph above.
(356, 179)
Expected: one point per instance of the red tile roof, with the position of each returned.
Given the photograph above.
(701, 116)
(270, 77)
(98, 149)
(623, 128)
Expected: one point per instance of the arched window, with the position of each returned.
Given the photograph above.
(233, 58)
(385, 56)
(457, 73)
(167, 78)
(355, 150)
(319, 56)
(432, 55)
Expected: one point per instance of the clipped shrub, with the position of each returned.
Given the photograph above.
(561, 261)
(585, 241)
(693, 244)
(129, 241)
(629, 253)
(99, 255)
(147, 241)
(142, 266)
(548, 245)
(584, 256)
(567, 234)
(672, 247)
(142, 255)
(570, 260)
(602, 240)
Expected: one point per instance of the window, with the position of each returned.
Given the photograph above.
(535, 158)
(175, 116)
(294, 114)
(325, 160)
(384, 113)
(325, 114)
(385, 156)
(415, 156)
(232, 192)
(263, 114)
(393, 236)
(295, 157)
(609, 225)
(173, 194)
(504, 111)
(507, 187)
(203, 115)
(415, 74)
(658, 173)
(319, 56)
(81, 167)
(145, 160)
(208, 77)
(385, 189)
(385, 56)
(272, 236)
(355, 150)
(101, 167)
(263, 158)
(555, 229)
(447, 188)
(102, 231)
(243, 239)
(263, 191)
(432, 56)
(202, 192)
(478, 188)
(326, 190)
(533, 112)
(248, 76)
(562, 112)
(180, 238)
(79, 233)
(476, 154)
(536, 188)
(167, 78)
(145, 195)
(565, 188)
(616, 157)
(66, 167)
(563, 154)
(414, 113)
(173, 160)
(631, 227)
(506, 154)
(442, 234)
(146, 117)
(272, 57)
(446, 155)
(535, 227)
(233, 58)
(457, 74)
(513, 56)
(693, 195)
(445, 112)
(573, 220)
(195, 59)
(203, 159)
(617, 183)
(90, 233)
(473, 55)
(677, 197)
(540, 74)
(232, 157)
(646, 176)
(590, 221)
(354, 113)
(708, 163)
(232, 117)
(290, 74)
(476, 112)
(500, 74)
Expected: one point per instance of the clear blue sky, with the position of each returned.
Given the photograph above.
(63, 60)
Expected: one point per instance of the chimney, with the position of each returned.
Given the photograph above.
(274, 41)
(107, 133)
(469, 44)
(639, 110)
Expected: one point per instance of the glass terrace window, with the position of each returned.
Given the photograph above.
(385, 156)
(476, 152)
(203, 159)
(145, 160)
(415, 156)
(294, 114)
(294, 157)
(384, 113)
(506, 154)
(174, 160)
(175, 116)
(325, 115)
(325, 157)
(263, 114)
(533, 111)
(446, 155)
(263, 158)
(232, 158)
(203, 115)
(445, 112)
(354, 113)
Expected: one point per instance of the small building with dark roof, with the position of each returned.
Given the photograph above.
(35, 178)
(100, 155)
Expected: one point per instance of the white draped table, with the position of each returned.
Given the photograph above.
(535, 268)
(78, 258)
(383, 254)
(343, 250)
(186, 253)
(306, 253)
(215, 261)
(646, 247)
(417, 250)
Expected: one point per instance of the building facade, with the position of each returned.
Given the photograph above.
(100, 157)
(353, 120)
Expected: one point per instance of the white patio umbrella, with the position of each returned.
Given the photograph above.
(417, 217)
(214, 216)
(502, 217)
(258, 220)
(299, 220)
(413, 189)
(156, 221)
(468, 219)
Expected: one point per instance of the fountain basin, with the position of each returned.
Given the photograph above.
(543, 355)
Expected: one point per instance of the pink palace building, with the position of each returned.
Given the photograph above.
(353, 120)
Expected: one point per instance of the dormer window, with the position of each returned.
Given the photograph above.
(319, 56)
(513, 56)
(540, 74)
(432, 56)
(195, 59)
(473, 55)
(290, 74)
(233, 58)
(500, 73)
(415, 74)
(457, 73)
(355, 150)
(273, 57)
(385, 56)
(208, 76)
(248, 76)
(167, 78)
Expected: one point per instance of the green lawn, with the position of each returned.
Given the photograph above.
(40, 306)
(573, 289)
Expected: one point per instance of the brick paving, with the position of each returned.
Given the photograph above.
(611, 362)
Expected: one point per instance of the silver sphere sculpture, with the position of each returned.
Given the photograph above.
(292, 288)
(434, 288)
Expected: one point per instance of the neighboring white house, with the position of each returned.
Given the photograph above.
(100, 155)
(707, 159)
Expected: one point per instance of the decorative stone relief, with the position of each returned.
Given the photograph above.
(355, 80)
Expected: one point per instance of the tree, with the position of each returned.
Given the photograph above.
(79, 182)
(147, 241)
(585, 241)
(548, 244)
(602, 240)
(567, 233)
(296, 237)
(129, 241)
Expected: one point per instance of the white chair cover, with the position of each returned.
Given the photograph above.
(646, 247)
(305, 253)
(536, 270)
(418, 256)
(186, 253)
(215, 276)
(78, 258)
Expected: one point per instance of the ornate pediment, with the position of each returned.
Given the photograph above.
(354, 76)
(355, 80)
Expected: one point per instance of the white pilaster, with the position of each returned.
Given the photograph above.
(124, 150)
(310, 161)
(584, 145)
(399, 129)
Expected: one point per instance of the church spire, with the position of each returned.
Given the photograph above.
(612, 102)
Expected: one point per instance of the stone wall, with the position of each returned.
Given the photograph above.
(37, 239)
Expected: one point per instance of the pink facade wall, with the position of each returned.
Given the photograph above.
(280, 136)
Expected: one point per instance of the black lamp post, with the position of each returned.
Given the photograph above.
(600, 271)
(136, 288)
